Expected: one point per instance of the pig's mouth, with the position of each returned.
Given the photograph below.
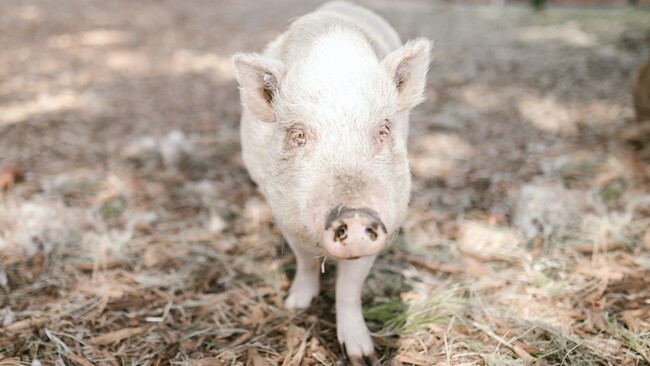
(351, 233)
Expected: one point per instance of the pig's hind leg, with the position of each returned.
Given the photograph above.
(306, 283)
(351, 328)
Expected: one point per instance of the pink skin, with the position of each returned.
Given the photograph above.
(352, 233)
(349, 216)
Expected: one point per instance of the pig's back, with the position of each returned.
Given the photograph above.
(381, 34)
(295, 41)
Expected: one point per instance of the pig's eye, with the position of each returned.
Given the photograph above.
(382, 136)
(384, 132)
(296, 137)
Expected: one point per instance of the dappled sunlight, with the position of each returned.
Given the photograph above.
(602, 113)
(454, 113)
(568, 33)
(421, 230)
(96, 37)
(184, 61)
(484, 97)
(546, 114)
(559, 117)
(127, 61)
(30, 13)
(45, 103)
(439, 155)
(489, 240)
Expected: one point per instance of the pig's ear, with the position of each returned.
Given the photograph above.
(408, 67)
(259, 81)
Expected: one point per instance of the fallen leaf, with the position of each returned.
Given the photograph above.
(605, 270)
(257, 360)
(632, 317)
(151, 257)
(474, 268)
(295, 338)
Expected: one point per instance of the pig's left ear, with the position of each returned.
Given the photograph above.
(259, 82)
(408, 67)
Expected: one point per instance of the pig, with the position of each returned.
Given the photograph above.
(324, 130)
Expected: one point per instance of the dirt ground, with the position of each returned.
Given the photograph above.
(136, 237)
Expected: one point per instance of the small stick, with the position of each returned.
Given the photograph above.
(434, 266)
(518, 350)
(112, 337)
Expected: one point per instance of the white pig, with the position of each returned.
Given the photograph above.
(324, 129)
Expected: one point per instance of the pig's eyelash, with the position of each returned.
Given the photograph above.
(296, 136)
(384, 130)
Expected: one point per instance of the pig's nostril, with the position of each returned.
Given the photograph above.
(341, 233)
(372, 234)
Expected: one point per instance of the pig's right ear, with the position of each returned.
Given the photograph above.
(408, 66)
(259, 80)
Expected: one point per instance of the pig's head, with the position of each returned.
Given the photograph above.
(337, 175)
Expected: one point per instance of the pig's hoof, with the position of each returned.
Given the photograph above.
(300, 298)
(370, 360)
(357, 343)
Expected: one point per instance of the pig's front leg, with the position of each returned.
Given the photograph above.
(306, 283)
(351, 328)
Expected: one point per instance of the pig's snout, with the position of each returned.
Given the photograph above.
(351, 233)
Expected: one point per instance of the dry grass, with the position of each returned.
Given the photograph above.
(126, 241)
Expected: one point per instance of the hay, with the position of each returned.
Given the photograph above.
(130, 232)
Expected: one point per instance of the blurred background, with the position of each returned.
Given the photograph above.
(131, 233)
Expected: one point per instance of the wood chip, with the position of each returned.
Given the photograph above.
(430, 265)
(19, 326)
(241, 339)
(296, 338)
(151, 257)
(516, 348)
(10, 175)
(632, 318)
(116, 336)
(89, 267)
(256, 359)
(528, 348)
(411, 358)
(474, 268)
(589, 249)
(78, 360)
(606, 270)
(208, 361)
